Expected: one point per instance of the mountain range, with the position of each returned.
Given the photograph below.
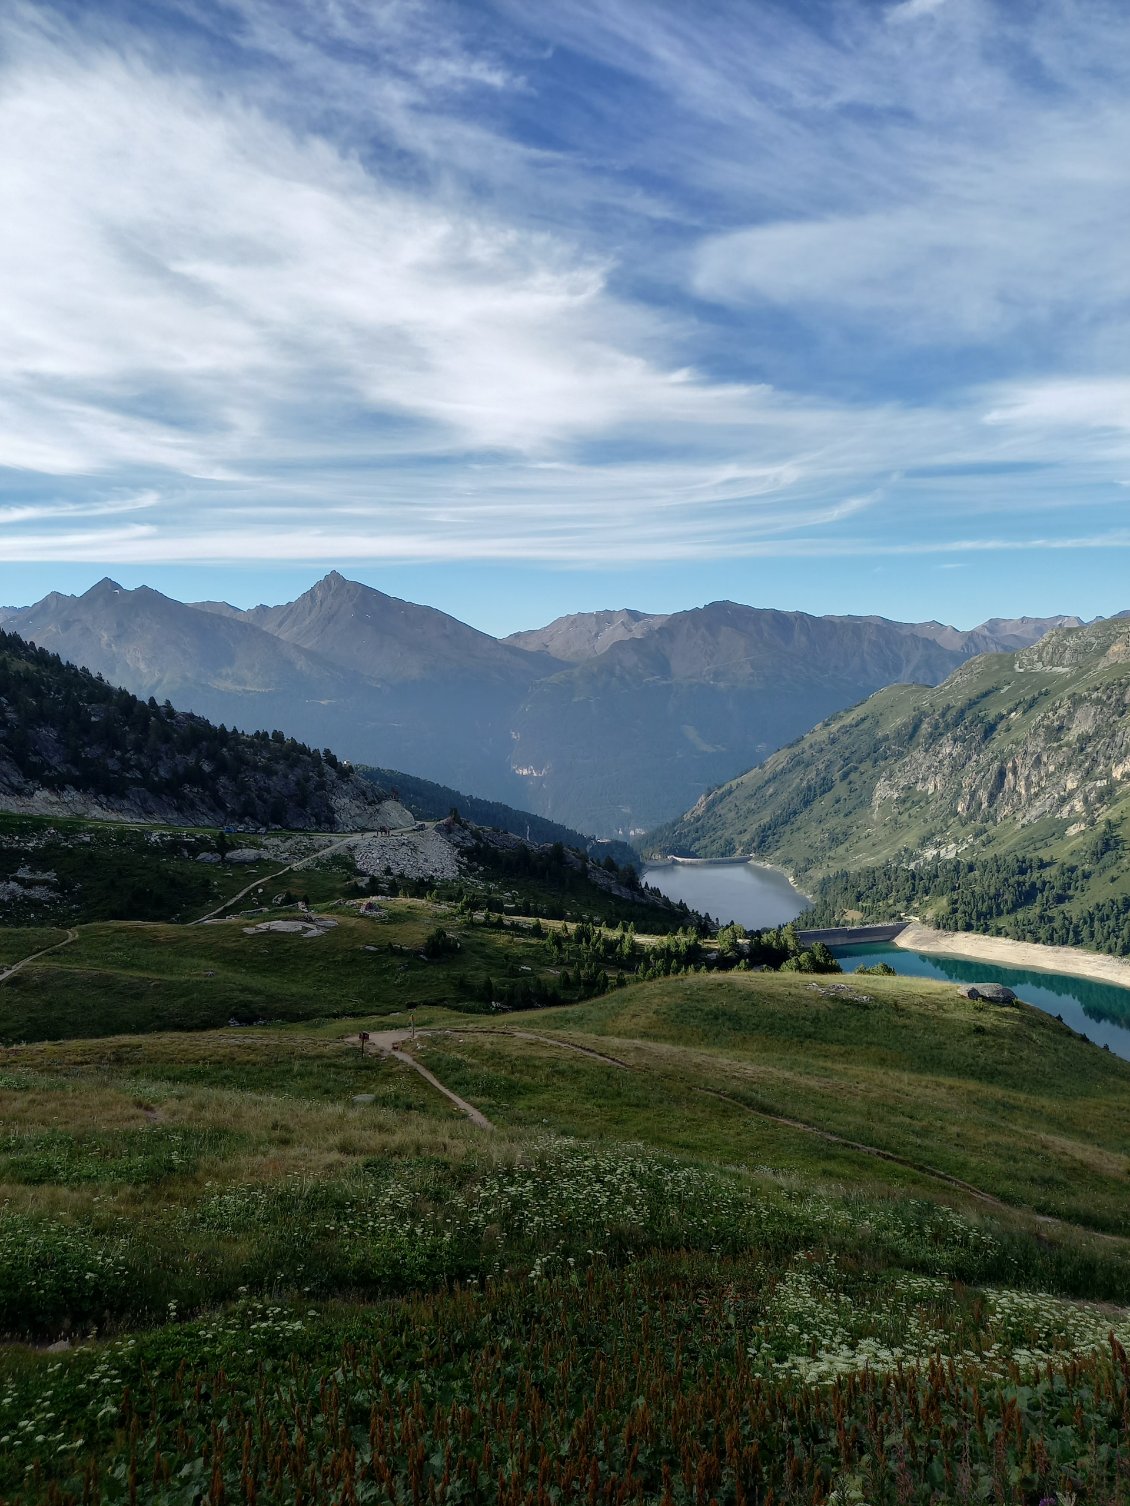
(608, 721)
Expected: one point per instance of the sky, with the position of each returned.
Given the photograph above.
(520, 309)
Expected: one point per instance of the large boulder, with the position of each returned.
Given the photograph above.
(992, 993)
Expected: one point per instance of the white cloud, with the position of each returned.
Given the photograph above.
(302, 347)
(913, 10)
(168, 251)
(1066, 403)
(973, 243)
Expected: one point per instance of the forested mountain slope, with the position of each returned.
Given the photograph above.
(70, 743)
(1003, 792)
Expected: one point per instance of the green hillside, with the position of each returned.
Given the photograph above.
(515, 1185)
(70, 744)
(997, 800)
(730, 1238)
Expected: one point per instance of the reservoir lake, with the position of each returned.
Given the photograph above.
(755, 897)
(759, 897)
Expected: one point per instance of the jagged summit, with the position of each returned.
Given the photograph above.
(392, 640)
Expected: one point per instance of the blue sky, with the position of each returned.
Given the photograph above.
(518, 309)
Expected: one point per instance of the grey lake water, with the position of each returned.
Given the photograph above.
(753, 896)
(759, 897)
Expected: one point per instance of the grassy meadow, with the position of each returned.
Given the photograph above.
(740, 1238)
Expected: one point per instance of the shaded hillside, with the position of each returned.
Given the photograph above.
(1000, 799)
(429, 801)
(70, 742)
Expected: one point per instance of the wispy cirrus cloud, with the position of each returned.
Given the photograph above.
(616, 278)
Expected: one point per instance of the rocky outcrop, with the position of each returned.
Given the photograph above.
(408, 854)
(992, 993)
(1064, 766)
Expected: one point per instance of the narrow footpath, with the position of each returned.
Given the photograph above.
(386, 1042)
(256, 883)
(919, 1167)
(72, 935)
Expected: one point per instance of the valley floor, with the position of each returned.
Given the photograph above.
(1073, 960)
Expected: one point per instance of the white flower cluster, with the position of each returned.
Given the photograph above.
(567, 1187)
(47, 1258)
(814, 1331)
(35, 1434)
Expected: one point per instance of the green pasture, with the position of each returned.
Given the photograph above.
(727, 1235)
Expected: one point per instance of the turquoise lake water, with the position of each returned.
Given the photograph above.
(758, 897)
(1100, 1011)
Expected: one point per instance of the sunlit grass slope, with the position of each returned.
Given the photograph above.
(132, 977)
(1005, 1098)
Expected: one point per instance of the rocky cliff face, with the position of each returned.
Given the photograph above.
(1025, 765)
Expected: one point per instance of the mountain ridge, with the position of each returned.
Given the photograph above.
(608, 722)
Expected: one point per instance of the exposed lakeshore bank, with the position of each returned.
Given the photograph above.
(669, 860)
(1008, 953)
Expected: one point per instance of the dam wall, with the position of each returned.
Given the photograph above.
(853, 935)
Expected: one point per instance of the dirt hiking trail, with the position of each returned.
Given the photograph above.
(386, 1042)
(72, 935)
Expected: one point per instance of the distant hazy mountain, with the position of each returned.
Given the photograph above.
(220, 608)
(625, 737)
(993, 637)
(394, 641)
(584, 635)
(604, 721)
(211, 659)
(210, 664)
